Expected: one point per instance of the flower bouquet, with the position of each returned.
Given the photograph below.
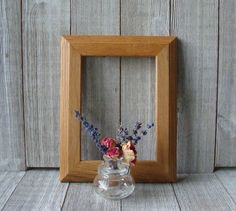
(114, 180)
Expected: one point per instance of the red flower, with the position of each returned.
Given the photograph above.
(108, 142)
(133, 162)
(113, 152)
(132, 147)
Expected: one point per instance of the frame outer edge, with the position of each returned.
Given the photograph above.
(173, 109)
(67, 174)
(64, 95)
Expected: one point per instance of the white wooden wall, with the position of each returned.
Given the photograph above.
(30, 32)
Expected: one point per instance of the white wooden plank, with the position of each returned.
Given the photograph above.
(101, 76)
(138, 74)
(228, 179)
(151, 197)
(12, 156)
(8, 183)
(226, 114)
(38, 190)
(95, 17)
(195, 23)
(202, 192)
(44, 21)
(83, 197)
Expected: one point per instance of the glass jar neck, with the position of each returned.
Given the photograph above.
(112, 163)
(113, 166)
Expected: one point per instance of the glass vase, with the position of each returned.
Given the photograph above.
(114, 180)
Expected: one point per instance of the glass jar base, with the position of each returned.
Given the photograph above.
(115, 193)
(114, 180)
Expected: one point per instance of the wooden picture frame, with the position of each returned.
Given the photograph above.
(163, 48)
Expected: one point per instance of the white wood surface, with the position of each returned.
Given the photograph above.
(82, 197)
(195, 23)
(228, 179)
(44, 21)
(100, 76)
(202, 192)
(138, 74)
(38, 190)
(41, 190)
(8, 183)
(226, 115)
(12, 156)
(151, 197)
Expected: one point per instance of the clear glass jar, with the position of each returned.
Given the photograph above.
(114, 180)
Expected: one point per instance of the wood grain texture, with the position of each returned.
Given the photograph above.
(12, 156)
(138, 74)
(70, 98)
(100, 76)
(138, 100)
(8, 183)
(72, 168)
(100, 100)
(104, 40)
(43, 24)
(38, 190)
(151, 197)
(196, 29)
(83, 197)
(202, 192)
(228, 179)
(226, 114)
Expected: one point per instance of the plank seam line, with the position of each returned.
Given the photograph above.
(120, 70)
(225, 188)
(13, 191)
(217, 84)
(120, 15)
(170, 16)
(120, 92)
(172, 185)
(63, 202)
(70, 15)
(22, 83)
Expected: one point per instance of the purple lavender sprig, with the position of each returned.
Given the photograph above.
(92, 131)
(123, 133)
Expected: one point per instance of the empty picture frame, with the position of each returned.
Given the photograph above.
(163, 48)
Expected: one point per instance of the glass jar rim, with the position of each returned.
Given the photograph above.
(107, 158)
